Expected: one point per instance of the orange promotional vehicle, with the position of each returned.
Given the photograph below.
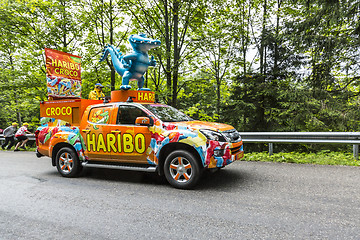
(132, 132)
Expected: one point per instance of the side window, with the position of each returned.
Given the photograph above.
(128, 114)
(100, 115)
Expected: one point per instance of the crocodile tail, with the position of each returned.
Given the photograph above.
(117, 52)
(105, 53)
(116, 58)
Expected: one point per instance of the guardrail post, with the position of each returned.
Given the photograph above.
(271, 149)
(356, 151)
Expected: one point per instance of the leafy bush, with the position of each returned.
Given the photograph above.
(322, 158)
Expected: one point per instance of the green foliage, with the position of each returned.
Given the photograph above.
(172, 22)
(200, 114)
(307, 75)
(321, 158)
(260, 65)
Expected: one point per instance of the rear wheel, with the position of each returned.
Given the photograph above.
(182, 169)
(67, 162)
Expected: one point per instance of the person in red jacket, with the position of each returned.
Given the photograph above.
(21, 136)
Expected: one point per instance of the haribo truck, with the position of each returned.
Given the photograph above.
(132, 132)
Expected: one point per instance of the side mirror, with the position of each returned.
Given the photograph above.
(144, 121)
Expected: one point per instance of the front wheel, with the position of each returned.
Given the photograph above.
(67, 162)
(182, 170)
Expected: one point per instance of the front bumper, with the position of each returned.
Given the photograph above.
(220, 154)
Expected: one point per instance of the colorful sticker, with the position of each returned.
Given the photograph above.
(213, 154)
(51, 126)
(63, 87)
(99, 116)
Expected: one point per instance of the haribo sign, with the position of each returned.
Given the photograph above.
(63, 74)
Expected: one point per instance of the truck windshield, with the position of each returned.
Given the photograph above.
(167, 113)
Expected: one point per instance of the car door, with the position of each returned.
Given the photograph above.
(134, 139)
(95, 133)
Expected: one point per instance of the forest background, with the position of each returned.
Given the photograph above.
(260, 65)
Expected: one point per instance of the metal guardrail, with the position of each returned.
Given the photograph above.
(30, 136)
(304, 137)
(290, 137)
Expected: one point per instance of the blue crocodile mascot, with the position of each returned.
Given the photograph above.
(132, 66)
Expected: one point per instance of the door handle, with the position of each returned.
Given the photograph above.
(115, 131)
(86, 130)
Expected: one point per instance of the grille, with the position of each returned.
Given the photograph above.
(235, 150)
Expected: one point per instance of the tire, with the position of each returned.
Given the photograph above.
(182, 169)
(67, 162)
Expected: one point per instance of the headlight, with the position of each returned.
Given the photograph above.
(212, 135)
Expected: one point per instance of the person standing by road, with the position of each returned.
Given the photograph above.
(97, 93)
(9, 134)
(21, 136)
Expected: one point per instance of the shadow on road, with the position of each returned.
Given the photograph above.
(123, 176)
(224, 179)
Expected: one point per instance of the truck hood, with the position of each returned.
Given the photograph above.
(197, 125)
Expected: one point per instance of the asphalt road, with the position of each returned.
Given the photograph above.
(245, 200)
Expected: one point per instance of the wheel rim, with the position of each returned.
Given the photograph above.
(66, 162)
(180, 169)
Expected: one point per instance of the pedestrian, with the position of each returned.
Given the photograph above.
(21, 136)
(9, 134)
(97, 93)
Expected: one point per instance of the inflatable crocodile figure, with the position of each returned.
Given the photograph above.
(132, 66)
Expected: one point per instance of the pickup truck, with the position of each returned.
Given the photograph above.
(132, 132)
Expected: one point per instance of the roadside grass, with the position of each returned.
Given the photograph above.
(321, 158)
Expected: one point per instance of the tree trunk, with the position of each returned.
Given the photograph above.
(176, 52)
(244, 39)
(218, 79)
(168, 52)
(18, 114)
(64, 40)
(276, 45)
(262, 44)
(113, 73)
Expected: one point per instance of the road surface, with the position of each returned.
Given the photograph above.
(245, 200)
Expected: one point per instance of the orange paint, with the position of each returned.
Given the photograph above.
(205, 125)
(137, 96)
(69, 110)
(186, 176)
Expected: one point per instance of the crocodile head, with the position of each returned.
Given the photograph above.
(140, 42)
